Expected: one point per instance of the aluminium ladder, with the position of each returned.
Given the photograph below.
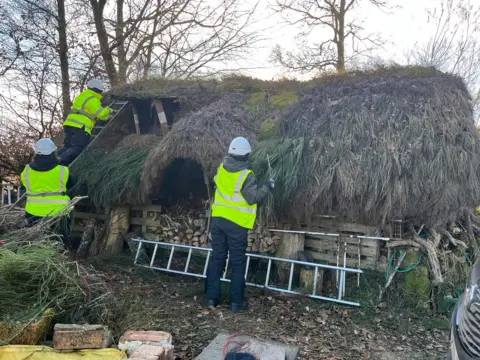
(266, 285)
(101, 126)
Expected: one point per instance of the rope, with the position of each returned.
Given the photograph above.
(243, 346)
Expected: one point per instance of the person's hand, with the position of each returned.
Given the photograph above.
(270, 183)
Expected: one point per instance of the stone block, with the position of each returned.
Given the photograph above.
(77, 337)
(270, 350)
(151, 352)
(132, 340)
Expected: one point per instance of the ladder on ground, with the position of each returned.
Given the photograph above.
(340, 298)
(101, 126)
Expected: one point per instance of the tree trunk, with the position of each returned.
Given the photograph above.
(341, 39)
(290, 245)
(119, 35)
(63, 55)
(116, 230)
(97, 8)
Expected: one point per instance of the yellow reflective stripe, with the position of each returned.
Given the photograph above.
(30, 192)
(28, 187)
(79, 123)
(82, 111)
(98, 112)
(239, 208)
(62, 179)
(240, 180)
(237, 196)
(234, 199)
(47, 201)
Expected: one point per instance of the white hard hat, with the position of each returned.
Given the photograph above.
(44, 147)
(239, 146)
(96, 84)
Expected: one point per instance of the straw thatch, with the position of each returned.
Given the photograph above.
(387, 147)
(386, 144)
(202, 136)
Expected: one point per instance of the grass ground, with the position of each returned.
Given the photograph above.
(157, 301)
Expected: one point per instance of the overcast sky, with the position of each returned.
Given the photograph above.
(400, 27)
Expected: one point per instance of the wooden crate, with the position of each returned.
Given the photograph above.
(325, 248)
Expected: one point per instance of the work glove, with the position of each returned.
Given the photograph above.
(270, 183)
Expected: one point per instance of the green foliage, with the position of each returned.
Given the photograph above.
(283, 99)
(267, 129)
(38, 276)
(255, 99)
(110, 179)
(285, 158)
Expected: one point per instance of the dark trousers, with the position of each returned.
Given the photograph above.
(227, 237)
(76, 140)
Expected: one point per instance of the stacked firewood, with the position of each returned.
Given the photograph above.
(261, 240)
(192, 230)
(184, 231)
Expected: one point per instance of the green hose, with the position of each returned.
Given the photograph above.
(391, 267)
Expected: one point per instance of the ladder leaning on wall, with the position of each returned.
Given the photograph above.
(101, 126)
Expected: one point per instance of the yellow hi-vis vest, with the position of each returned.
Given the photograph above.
(86, 109)
(46, 190)
(229, 202)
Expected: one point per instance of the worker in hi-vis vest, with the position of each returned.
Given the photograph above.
(234, 211)
(46, 184)
(86, 110)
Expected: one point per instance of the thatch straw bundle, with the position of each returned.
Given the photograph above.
(112, 178)
(202, 136)
(385, 147)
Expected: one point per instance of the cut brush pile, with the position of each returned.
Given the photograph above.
(38, 282)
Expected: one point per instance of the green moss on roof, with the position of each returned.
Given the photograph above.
(282, 100)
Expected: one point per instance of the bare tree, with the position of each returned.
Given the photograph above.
(314, 15)
(455, 44)
(170, 37)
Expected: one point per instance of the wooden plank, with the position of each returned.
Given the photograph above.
(331, 246)
(86, 215)
(346, 227)
(135, 118)
(161, 116)
(151, 208)
(330, 259)
(144, 227)
(144, 222)
(333, 239)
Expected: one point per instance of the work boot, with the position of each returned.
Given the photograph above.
(236, 307)
(210, 304)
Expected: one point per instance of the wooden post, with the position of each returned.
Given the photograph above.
(144, 227)
(290, 245)
(135, 118)
(3, 195)
(161, 117)
(118, 227)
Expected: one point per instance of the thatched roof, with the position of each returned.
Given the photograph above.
(202, 136)
(387, 147)
(368, 147)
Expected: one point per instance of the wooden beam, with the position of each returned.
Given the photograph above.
(86, 215)
(151, 208)
(161, 116)
(135, 118)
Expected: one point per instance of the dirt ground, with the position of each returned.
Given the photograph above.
(152, 300)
